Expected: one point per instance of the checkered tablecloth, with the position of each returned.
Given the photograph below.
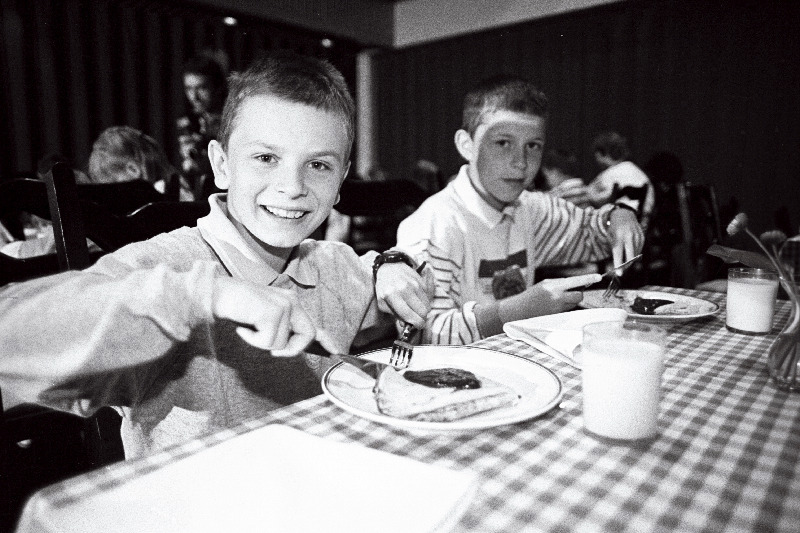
(727, 457)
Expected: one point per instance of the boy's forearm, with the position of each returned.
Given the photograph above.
(78, 323)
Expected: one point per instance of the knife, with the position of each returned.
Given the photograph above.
(370, 368)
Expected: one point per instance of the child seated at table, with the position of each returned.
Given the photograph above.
(192, 331)
(485, 234)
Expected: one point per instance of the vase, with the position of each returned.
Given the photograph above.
(783, 357)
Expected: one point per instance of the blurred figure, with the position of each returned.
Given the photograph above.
(205, 87)
(558, 177)
(122, 154)
(611, 154)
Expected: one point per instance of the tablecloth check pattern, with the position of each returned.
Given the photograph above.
(727, 457)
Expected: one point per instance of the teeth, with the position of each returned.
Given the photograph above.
(284, 213)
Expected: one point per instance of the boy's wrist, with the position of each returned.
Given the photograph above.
(391, 256)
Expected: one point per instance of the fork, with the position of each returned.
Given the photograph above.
(615, 284)
(613, 287)
(402, 349)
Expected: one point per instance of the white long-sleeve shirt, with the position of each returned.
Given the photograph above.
(465, 240)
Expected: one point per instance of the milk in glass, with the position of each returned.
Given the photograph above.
(751, 300)
(622, 385)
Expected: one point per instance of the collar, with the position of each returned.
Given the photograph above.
(477, 205)
(238, 257)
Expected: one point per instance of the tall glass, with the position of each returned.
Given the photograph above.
(751, 300)
(622, 367)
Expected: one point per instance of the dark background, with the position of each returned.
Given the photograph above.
(715, 82)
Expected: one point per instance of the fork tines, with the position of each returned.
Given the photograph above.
(402, 349)
(613, 287)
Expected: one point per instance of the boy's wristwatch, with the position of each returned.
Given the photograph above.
(392, 256)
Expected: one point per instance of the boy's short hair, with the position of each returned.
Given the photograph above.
(611, 144)
(507, 93)
(295, 78)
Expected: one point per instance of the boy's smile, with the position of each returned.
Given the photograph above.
(283, 168)
(504, 155)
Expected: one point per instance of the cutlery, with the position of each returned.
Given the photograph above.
(402, 349)
(616, 284)
(370, 368)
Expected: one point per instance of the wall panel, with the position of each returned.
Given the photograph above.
(714, 82)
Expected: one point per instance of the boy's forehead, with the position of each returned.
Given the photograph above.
(497, 117)
(270, 118)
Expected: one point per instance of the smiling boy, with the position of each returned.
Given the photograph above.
(485, 234)
(191, 331)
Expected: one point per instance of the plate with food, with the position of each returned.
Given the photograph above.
(652, 305)
(446, 388)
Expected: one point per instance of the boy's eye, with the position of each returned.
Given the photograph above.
(319, 165)
(536, 146)
(266, 158)
(503, 143)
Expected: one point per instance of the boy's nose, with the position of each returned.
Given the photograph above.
(518, 159)
(292, 183)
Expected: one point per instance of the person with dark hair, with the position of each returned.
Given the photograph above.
(205, 87)
(201, 328)
(611, 153)
(485, 235)
(558, 171)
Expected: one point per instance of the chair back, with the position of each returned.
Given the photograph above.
(377, 208)
(121, 198)
(160, 217)
(700, 228)
(636, 194)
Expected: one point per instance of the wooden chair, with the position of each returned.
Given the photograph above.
(637, 194)
(700, 228)
(377, 208)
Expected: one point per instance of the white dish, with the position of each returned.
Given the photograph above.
(539, 389)
(558, 335)
(684, 308)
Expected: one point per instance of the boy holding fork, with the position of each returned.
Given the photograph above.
(201, 328)
(485, 234)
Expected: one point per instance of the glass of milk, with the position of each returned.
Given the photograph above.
(751, 300)
(622, 366)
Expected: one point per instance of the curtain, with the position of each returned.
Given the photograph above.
(71, 68)
(715, 82)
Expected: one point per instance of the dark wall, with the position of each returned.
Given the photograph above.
(715, 82)
(71, 68)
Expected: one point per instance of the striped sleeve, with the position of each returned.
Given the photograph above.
(451, 320)
(568, 234)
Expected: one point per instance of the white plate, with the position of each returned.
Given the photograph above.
(539, 389)
(694, 307)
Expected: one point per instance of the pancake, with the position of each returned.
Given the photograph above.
(398, 397)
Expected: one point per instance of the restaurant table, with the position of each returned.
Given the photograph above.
(727, 457)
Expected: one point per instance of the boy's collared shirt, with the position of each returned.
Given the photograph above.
(466, 240)
(141, 336)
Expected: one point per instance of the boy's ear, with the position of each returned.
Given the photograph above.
(133, 170)
(465, 145)
(219, 164)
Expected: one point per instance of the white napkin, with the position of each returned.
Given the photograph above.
(558, 335)
(272, 479)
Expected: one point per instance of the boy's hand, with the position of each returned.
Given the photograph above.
(545, 298)
(271, 318)
(627, 237)
(404, 293)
